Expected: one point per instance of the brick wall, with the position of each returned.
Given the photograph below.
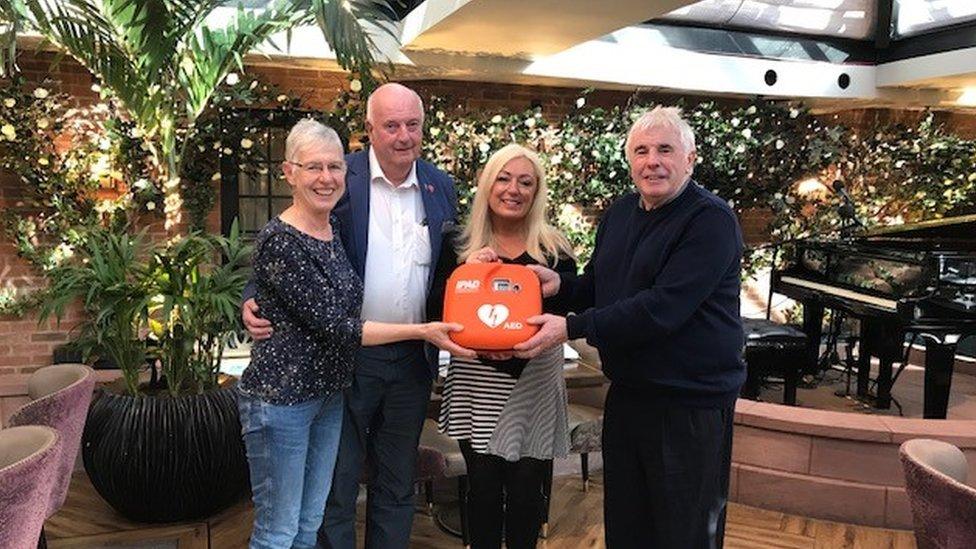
(25, 346)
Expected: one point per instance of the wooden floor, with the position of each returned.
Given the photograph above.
(576, 522)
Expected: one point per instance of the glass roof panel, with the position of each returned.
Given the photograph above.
(837, 18)
(919, 16)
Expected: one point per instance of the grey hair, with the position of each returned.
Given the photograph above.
(659, 116)
(306, 132)
(391, 85)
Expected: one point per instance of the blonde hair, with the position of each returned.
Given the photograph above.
(542, 241)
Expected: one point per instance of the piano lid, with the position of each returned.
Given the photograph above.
(961, 227)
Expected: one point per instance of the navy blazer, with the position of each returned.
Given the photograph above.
(352, 212)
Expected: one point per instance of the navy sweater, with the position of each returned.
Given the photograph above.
(660, 298)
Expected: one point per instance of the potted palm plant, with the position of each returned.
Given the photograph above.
(165, 446)
(169, 447)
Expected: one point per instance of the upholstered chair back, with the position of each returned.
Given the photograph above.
(28, 470)
(60, 396)
(943, 505)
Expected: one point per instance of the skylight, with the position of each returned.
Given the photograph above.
(919, 16)
(838, 18)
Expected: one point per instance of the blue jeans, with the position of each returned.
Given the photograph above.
(385, 409)
(291, 451)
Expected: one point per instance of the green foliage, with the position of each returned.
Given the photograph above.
(112, 283)
(196, 306)
(176, 308)
(162, 60)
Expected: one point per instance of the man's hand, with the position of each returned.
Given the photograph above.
(438, 334)
(259, 328)
(548, 279)
(552, 332)
(484, 255)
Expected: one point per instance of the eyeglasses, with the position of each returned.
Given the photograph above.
(316, 169)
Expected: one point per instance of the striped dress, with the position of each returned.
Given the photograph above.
(507, 416)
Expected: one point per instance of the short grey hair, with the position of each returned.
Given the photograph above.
(307, 132)
(659, 116)
(386, 88)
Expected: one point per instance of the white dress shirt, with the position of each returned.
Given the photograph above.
(398, 250)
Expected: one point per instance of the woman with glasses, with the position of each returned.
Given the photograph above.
(291, 401)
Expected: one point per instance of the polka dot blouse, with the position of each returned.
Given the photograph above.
(309, 291)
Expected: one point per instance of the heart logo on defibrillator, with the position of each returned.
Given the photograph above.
(493, 315)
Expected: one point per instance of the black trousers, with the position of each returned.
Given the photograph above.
(504, 495)
(666, 472)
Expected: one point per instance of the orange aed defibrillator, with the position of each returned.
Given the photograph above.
(492, 301)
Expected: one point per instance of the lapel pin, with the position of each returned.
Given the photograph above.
(430, 188)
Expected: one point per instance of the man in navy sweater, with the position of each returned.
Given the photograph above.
(660, 300)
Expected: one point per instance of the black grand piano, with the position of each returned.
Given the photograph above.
(918, 279)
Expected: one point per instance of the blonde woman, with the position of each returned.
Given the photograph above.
(508, 414)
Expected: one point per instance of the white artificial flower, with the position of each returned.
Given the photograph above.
(96, 88)
(227, 150)
(9, 102)
(530, 122)
(41, 93)
(780, 144)
(751, 110)
(150, 206)
(435, 131)
(43, 161)
(282, 98)
(246, 143)
(794, 113)
(215, 176)
(747, 133)
(580, 102)
(735, 122)
(232, 79)
(355, 85)
(9, 132)
(483, 147)
(570, 147)
(496, 119)
(43, 123)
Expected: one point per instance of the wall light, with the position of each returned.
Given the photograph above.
(811, 188)
(968, 97)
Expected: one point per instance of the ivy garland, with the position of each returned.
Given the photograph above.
(87, 166)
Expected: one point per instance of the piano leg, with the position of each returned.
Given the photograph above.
(891, 346)
(812, 326)
(884, 384)
(939, 360)
(864, 358)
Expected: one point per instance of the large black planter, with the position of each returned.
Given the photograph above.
(166, 459)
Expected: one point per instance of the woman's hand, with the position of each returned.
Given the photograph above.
(438, 334)
(484, 255)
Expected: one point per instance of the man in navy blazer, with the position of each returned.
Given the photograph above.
(391, 221)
